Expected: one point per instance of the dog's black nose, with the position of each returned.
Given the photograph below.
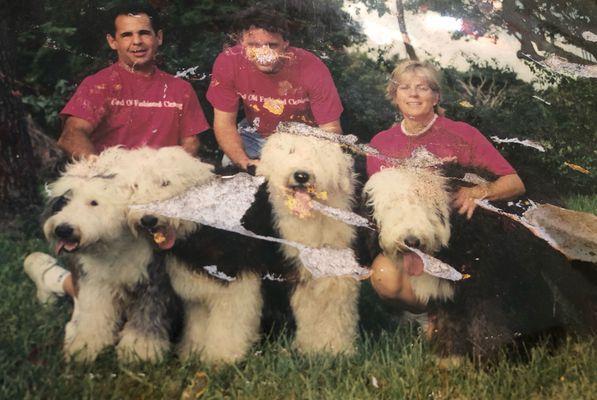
(301, 177)
(149, 221)
(412, 241)
(64, 231)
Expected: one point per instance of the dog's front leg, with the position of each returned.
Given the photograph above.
(326, 315)
(234, 318)
(95, 327)
(150, 317)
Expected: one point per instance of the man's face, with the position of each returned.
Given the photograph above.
(264, 49)
(135, 41)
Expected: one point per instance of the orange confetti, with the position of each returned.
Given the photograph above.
(465, 104)
(577, 168)
(275, 106)
(159, 237)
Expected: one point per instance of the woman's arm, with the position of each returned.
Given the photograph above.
(505, 187)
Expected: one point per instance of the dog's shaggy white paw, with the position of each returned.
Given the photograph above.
(222, 355)
(84, 348)
(332, 347)
(134, 347)
(188, 349)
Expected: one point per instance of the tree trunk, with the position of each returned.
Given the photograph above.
(410, 50)
(18, 181)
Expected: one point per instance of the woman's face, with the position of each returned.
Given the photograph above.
(414, 96)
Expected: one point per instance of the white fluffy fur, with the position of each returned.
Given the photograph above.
(412, 202)
(162, 174)
(111, 255)
(111, 258)
(325, 309)
(221, 321)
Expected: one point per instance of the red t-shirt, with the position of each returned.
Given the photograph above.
(303, 90)
(446, 138)
(134, 110)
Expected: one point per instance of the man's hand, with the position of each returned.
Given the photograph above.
(333, 127)
(74, 139)
(228, 137)
(190, 144)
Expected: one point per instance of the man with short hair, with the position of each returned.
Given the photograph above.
(132, 103)
(274, 81)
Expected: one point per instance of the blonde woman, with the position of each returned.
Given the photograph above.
(415, 91)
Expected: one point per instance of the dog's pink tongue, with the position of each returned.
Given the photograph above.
(413, 264)
(303, 204)
(59, 246)
(170, 238)
(65, 245)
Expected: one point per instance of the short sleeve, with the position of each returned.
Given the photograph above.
(89, 102)
(222, 93)
(193, 119)
(323, 95)
(485, 155)
(374, 162)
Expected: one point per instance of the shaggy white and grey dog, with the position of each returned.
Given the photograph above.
(117, 278)
(325, 309)
(411, 207)
(221, 316)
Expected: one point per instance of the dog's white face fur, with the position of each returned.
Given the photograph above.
(409, 203)
(323, 164)
(88, 212)
(293, 164)
(162, 174)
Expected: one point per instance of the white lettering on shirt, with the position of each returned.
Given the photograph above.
(145, 103)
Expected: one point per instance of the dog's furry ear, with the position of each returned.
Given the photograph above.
(259, 217)
(54, 205)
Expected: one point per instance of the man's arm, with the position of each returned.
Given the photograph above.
(504, 187)
(74, 139)
(333, 127)
(191, 144)
(228, 137)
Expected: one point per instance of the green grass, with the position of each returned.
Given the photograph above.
(586, 203)
(391, 363)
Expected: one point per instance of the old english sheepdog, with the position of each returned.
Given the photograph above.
(123, 291)
(519, 287)
(298, 167)
(411, 207)
(216, 273)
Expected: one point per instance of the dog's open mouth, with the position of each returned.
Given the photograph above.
(163, 236)
(298, 200)
(68, 246)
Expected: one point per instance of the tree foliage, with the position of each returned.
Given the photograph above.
(548, 26)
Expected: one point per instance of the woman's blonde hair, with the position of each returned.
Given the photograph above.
(410, 66)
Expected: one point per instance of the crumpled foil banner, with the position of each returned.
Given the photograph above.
(564, 67)
(223, 202)
(350, 141)
(573, 234)
(435, 267)
(536, 230)
(525, 142)
(347, 217)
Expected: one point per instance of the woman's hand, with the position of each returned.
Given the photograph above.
(464, 200)
(505, 187)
